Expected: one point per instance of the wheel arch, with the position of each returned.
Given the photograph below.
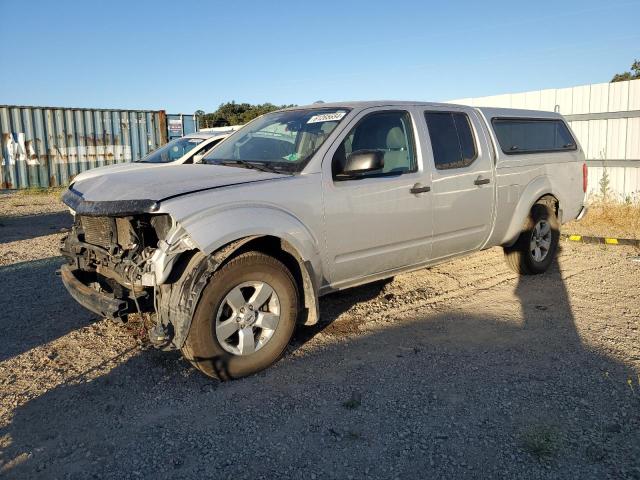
(179, 296)
(538, 191)
(232, 229)
(302, 269)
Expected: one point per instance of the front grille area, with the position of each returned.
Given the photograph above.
(97, 230)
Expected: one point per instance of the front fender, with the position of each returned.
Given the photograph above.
(216, 228)
(219, 231)
(537, 188)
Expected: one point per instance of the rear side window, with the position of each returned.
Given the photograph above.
(523, 135)
(451, 139)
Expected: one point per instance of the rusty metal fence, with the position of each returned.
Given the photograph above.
(47, 146)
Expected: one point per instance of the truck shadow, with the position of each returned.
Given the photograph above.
(332, 306)
(448, 395)
(13, 229)
(36, 308)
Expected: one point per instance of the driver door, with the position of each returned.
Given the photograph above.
(381, 221)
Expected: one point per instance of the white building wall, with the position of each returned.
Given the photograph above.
(604, 116)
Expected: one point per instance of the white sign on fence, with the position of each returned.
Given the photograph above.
(175, 126)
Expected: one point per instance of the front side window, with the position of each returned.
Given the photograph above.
(518, 135)
(451, 139)
(278, 141)
(390, 132)
(172, 151)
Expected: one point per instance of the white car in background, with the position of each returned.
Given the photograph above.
(184, 150)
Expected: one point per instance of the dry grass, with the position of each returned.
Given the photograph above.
(608, 219)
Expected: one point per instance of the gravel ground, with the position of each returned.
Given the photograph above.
(459, 371)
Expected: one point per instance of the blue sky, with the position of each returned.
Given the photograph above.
(181, 56)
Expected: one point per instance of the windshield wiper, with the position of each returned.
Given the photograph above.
(260, 166)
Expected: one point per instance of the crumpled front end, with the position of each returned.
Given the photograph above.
(110, 265)
(115, 263)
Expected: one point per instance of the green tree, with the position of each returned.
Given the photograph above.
(199, 114)
(232, 113)
(632, 75)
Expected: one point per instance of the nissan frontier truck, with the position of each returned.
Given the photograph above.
(227, 256)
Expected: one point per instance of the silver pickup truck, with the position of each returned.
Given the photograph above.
(229, 255)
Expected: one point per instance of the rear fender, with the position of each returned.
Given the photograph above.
(536, 189)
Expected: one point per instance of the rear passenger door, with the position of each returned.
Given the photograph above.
(462, 181)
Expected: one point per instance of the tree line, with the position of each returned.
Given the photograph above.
(232, 113)
(634, 74)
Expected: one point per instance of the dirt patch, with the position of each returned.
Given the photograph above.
(464, 370)
(28, 202)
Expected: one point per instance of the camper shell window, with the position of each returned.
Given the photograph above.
(532, 135)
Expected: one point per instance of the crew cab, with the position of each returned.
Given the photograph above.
(228, 255)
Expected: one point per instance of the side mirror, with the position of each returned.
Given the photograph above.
(198, 158)
(361, 162)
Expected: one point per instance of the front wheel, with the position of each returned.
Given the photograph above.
(245, 317)
(537, 245)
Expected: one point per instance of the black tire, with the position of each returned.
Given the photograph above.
(519, 257)
(201, 346)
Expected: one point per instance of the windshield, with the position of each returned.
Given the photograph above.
(279, 140)
(172, 151)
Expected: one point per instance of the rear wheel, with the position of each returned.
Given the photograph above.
(245, 317)
(537, 245)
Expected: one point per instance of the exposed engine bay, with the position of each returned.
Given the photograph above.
(115, 255)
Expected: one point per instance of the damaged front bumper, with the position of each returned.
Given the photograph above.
(115, 265)
(100, 303)
(127, 257)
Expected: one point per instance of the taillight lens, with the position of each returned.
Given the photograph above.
(584, 177)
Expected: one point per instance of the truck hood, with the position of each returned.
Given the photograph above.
(117, 167)
(135, 190)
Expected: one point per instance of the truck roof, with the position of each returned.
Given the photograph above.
(206, 134)
(492, 112)
(488, 112)
(365, 104)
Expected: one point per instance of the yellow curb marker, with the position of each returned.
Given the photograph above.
(602, 240)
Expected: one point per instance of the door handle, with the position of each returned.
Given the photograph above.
(419, 188)
(481, 181)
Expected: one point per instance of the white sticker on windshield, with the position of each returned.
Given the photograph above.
(327, 117)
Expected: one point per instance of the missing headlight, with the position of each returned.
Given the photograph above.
(161, 225)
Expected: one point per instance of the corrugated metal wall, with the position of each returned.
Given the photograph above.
(606, 119)
(47, 147)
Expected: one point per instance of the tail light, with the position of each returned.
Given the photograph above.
(584, 177)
